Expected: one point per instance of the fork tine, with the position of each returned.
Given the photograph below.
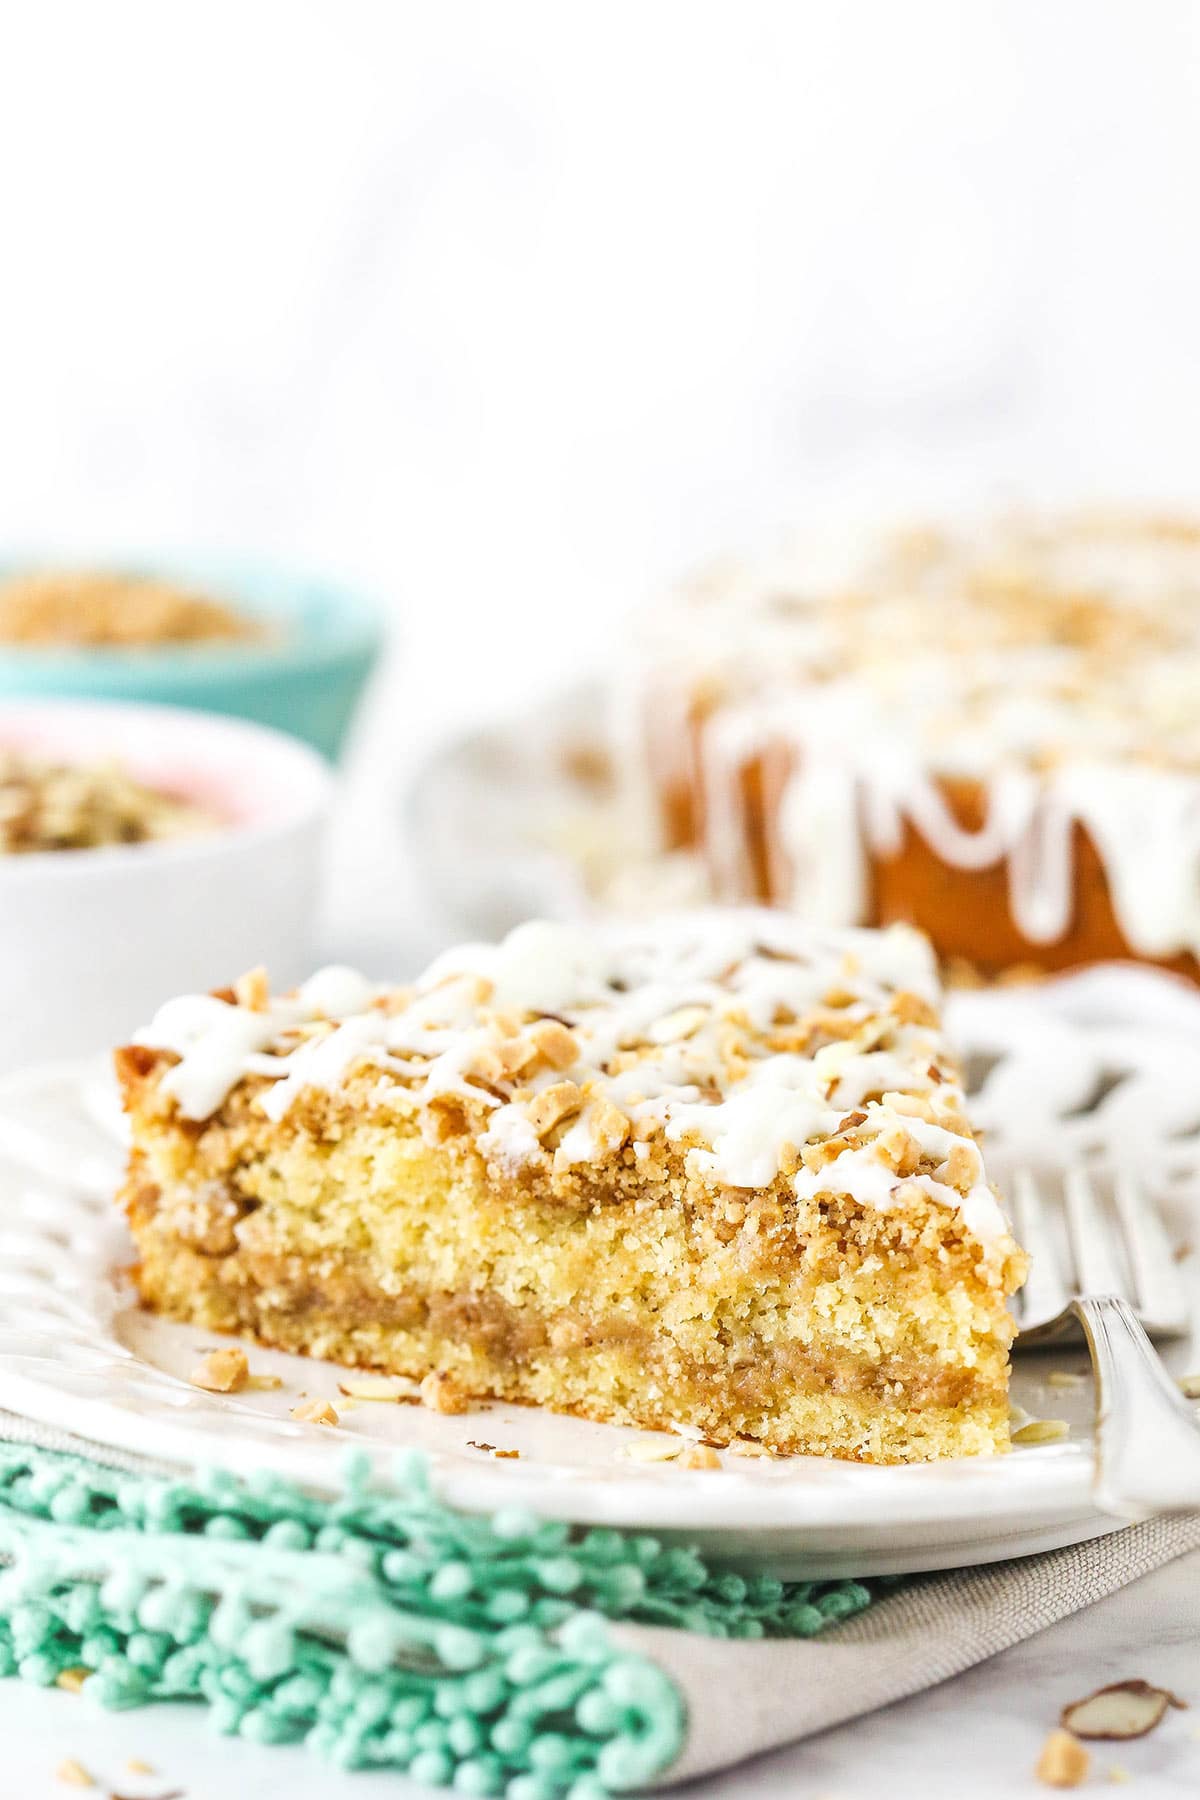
(1161, 1301)
(1098, 1268)
(1044, 1294)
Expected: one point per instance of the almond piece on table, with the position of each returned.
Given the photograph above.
(1124, 1709)
(1064, 1762)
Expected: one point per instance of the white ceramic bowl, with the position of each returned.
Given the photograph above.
(91, 941)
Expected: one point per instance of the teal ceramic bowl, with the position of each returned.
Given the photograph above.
(305, 678)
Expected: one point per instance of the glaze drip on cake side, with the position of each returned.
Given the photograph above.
(1053, 666)
(759, 1045)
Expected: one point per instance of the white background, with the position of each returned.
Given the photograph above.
(507, 309)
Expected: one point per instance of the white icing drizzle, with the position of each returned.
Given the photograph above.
(1056, 662)
(742, 1036)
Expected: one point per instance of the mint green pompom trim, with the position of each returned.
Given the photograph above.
(384, 1630)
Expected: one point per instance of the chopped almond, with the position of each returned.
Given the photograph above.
(315, 1412)
(651, 1450)
(910, 1009)
(441, 1393)
(253, 990)
(1189, 1386)
(609, 1126)
(554, 1043)
(685, 1022)
(961, 1168)
(514, 1054)
(264, 1384)
(1064, 1762)
(553, 1105)
(72, 1680)
(73, 1773)
(900, 1151)
(699, 1456)
(1042, 1431)
(222, 1372)
(378, 1387)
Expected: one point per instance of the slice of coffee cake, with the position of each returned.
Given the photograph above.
(711, 1170)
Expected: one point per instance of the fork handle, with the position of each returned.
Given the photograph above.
(1147, 1439)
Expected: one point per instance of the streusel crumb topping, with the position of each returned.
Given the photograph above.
(760, 1046)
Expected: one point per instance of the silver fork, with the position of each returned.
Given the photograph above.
(1111, 1268)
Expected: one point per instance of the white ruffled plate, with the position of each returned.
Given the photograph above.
(1100, 1065)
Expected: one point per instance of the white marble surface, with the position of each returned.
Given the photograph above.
(974, 1738)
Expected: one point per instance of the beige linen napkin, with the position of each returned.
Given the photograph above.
(745, 1698)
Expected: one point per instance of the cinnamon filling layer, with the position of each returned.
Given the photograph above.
(286, 1301)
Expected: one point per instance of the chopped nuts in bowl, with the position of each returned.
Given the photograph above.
(281, 648)
(86, 806)
(90, 608)
(144, 850)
